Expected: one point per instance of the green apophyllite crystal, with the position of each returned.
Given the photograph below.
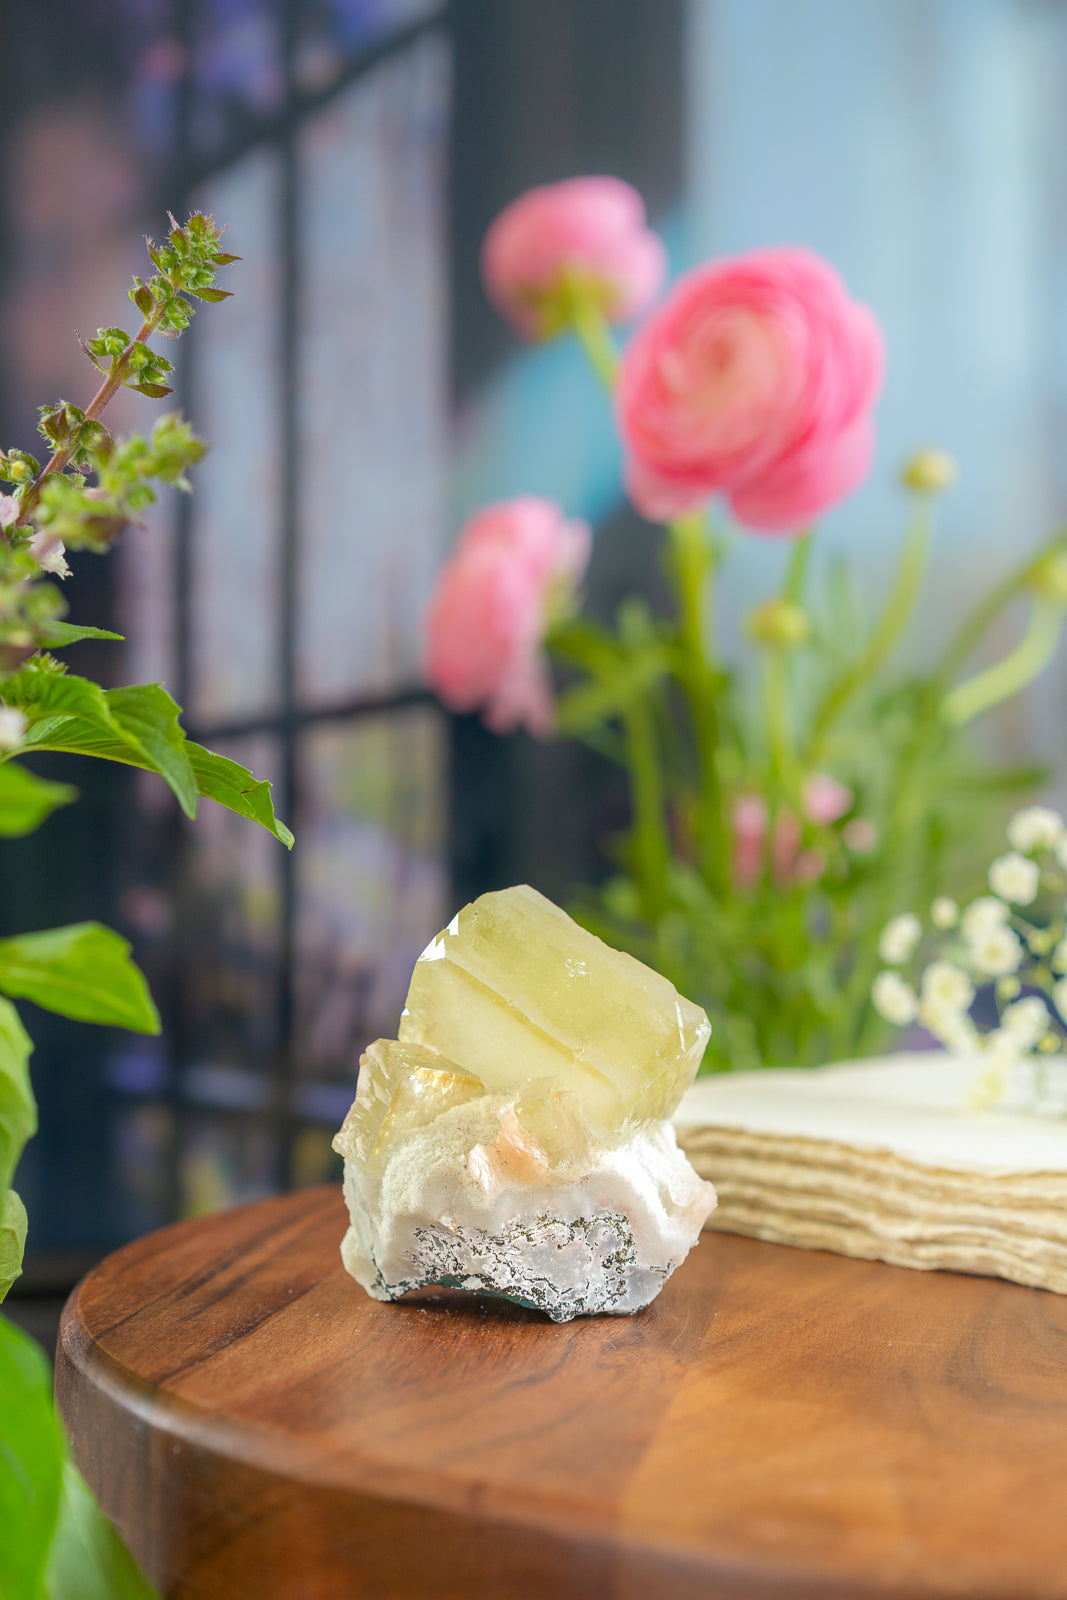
(515, 991)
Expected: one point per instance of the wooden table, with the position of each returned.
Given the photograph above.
(778, 1423)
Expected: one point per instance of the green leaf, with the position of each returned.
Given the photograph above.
(12, 1240)
(214, 295)
(137, 725)
(87, 1557)
(31, 1464)
(82, 971)
(233, 786)
(146, 712)
(55, 635)
(588, 704)
(154, 391)
(18, 1109)
(46, 695)
(26, 799)
(587, 645)
(56, 1543)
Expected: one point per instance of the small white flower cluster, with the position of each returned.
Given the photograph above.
(991, 941)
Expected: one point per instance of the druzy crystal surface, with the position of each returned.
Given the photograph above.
(514, 1139)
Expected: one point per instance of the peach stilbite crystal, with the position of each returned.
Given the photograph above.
(514, 1139)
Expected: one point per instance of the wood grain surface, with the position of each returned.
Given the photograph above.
(778, 1423)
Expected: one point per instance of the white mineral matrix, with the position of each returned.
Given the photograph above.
(515, 1139)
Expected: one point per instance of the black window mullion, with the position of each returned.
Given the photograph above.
(289, 255)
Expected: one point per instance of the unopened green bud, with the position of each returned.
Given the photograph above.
(1049, 578)
(778, 625)
(112, 340)
(929, 471)
(20, 467)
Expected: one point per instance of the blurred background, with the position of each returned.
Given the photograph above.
(361, 399)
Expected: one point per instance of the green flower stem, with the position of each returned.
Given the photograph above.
(888, 629)
(693, 563)
(785, 769)
(1014, 672)
(797, 570)
(651, 844)
(101, 399)
(906, 804)
(591, 328)
(988, 610)
(692, 568)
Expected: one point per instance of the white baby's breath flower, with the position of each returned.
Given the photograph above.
(991, 1085)
(1035, 828)
(1058, 958)
(996, 952)
(1014, 878)
(899, 938)
(944, 913)
(982, 914)
(1024, 1023)
(12, 727)
(894, 999)
(950, 1026)
(1061, 851)
(944, 1000)
(1059, 998)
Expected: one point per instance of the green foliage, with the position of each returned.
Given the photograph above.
(12, 1240)
(86, 1556)
(31, 1465)
(26, 800)
(56, 1543)
(93, 484)
(782, 952)
(58, 634)
(82, 971)
(139, 727)
(125, 470)
(136, 725)
(234, 787)
(18, 1109)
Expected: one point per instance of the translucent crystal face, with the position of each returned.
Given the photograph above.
(515, 991)
(401, 1087)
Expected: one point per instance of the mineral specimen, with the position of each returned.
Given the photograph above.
(514, 1140)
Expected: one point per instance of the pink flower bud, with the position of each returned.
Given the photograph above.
(515, 565)
(750, 830)
(755, 378)
(586, 233)
(826, 800)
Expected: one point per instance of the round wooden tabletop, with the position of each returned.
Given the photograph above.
(778, 1423)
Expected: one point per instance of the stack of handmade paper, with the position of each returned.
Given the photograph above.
(882, 1159)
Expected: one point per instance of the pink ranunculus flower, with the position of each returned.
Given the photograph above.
(755, 378)
(588, 230)
(516, 564)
